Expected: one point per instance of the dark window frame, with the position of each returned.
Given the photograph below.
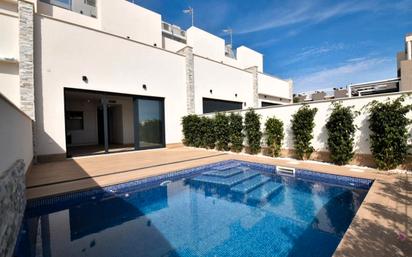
(266, 104)
(230, 105)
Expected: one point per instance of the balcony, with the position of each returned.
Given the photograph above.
(85, 7)
(173, 32)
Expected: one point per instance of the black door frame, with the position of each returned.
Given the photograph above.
(136, 122)
(135, 115)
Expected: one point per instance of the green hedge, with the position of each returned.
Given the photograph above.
(274, 136)
(252, 131)
(302, 127)
(191, 130)
(341, 132)
(387, 121)
(222, 131)
(389, 134)
(207, 132)
(236, 132)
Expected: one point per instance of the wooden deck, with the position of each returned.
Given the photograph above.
(382, 226)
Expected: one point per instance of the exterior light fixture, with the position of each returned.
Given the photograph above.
(144, 87)
(211, 91)
(85, 79)
(235, 95)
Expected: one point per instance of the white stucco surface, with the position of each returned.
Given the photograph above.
(224, 81)
(272, 86)
(248, 58)
(9, 48)
(129, 20)
(172, 45)
(319, 142)
(67, 52)
(15, 136)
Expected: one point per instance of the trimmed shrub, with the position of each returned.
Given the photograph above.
(191, 129)
(222, 131)
(274, 136)
(341, 132)
(236, 132)
(389, 132)
(302, 127)
(252, 131)
(207, 132)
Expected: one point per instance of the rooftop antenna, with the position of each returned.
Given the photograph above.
(230, 32)
(191, 12)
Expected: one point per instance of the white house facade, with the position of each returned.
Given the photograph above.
(105, 76)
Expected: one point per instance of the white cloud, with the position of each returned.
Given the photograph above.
(308, 52)
(300, 11)
(355, 70)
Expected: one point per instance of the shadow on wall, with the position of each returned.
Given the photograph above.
(40, 132)
(86, 222)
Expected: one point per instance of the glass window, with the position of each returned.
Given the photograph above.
(214, 105)
(149, 128)
(264, 104)
(61, 3)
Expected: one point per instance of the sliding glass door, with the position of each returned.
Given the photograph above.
(149, 122)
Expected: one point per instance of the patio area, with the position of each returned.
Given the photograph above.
(382, 226)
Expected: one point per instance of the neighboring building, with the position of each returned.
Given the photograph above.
(99, 76)
(374, 87)
(404, 63)
(402, 83)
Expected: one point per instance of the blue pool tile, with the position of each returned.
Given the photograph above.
(224, 173)
(228, 181)
(262, 193)
(249, 184)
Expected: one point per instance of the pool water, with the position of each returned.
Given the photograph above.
(226, 209)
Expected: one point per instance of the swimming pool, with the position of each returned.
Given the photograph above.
(230, 208)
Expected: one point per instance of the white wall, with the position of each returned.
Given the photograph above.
(15, 136)
(65, 53)
(319, 142)
(248, 58)
(67, 15)
(225, 81)
(9, 48)
(272, 86)
(206, 44)
(9, 82)
(9, 36)
(129, 20)
(172, 45)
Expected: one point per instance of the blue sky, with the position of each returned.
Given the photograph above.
(318, 44)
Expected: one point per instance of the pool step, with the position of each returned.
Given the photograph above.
(226, 181)
(227, 166)
(223, 173)
(250, 184)
(263, 192)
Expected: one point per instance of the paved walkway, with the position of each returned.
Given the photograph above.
(382, 226)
